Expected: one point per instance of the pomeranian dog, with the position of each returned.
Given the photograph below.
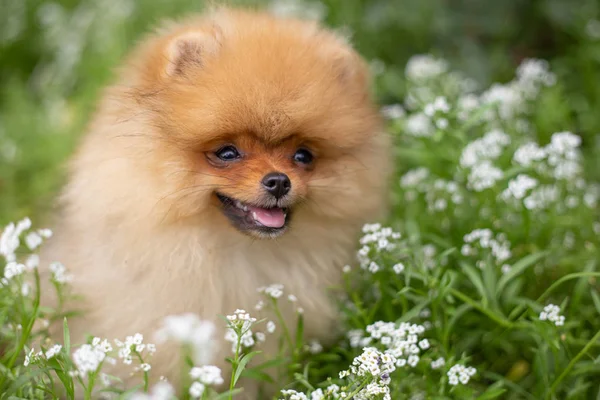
(236, 150)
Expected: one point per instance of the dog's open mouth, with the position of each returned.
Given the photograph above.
(271, 221)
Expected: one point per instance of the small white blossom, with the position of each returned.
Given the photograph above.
(460, 374)
(422, 67)
(190, 329)
(393, 111)
(196, 390)
(52, 351)
(419, 125)
(518, 187)
(398, 268)
(551, 313)
(439, 363)
(207, 374)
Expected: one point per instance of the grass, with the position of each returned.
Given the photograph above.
(493, 235)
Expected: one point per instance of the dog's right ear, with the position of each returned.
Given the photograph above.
(189, 50)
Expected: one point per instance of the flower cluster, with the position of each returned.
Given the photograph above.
(89, 357)
(498, 246)
(460, 374)
(439, 363)
(189, 329)
(135, 346)
(59, 273)
(403, 342)
(551, 313)
(160, 391)
(376, 241)
(239, 330)
(376, 365)
(204, 376)
(10, 240)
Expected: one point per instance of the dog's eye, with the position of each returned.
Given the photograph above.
(303, 156)
(228, 153)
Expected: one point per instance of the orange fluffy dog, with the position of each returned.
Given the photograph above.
(236, 150)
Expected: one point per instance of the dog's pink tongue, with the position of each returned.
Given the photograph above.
(272, 218)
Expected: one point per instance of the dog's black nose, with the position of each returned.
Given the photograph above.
(277, 184)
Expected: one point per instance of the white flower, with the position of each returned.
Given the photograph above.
(292, 298)
(393, 111)
(88, 358)
(436, 364)
(270, 326)
(442, 123)
(541, 197)
(419, 125)
(10, 238)
(460, 374)
(551, 313)
(13, 269)
(592, 28)
(422, 67)
(274, 291)
(414, 177)
(314, 347)
(33, 240)
(526, 154)
(532, 74)
(507, 98)
(440, 104)
(398, 268)
(59, 273)
(196, 390)
(299, 9)
(160, 391)
(52, 351)
(488, 147)
(518, 187)
(466, 104)
(33, 261)
(294, 395)
(238, 330)
(483, 176)
(145, 367)
(29, 358)
(207, 374)
(190, 329)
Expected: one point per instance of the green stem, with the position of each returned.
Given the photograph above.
(358, 389)
(26, 330)
(286, 331)
(501, 321)
(572, 364)
(234, 365)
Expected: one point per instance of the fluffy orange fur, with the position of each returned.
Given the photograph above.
(141, 229)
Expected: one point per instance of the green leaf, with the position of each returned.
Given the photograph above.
(518, 268)
(66, 336)
(242, 365)
(475, 279)
(492, 393)
(596, 299)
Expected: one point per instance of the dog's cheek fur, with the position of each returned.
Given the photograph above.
(140, 250)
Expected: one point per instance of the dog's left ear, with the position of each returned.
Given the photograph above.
(190, 50)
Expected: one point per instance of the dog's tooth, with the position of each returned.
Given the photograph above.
(254, 215)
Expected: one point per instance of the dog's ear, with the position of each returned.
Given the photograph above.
(191, 49)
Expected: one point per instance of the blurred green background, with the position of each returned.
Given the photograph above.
(56, 56)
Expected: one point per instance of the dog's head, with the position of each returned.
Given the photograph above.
(266, 121)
